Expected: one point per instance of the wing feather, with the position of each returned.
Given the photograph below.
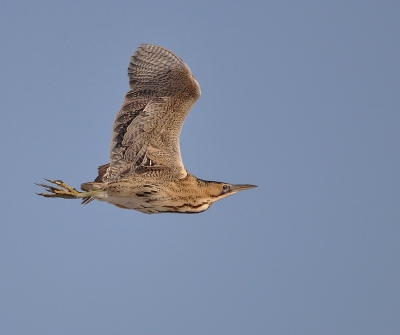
(147, 128)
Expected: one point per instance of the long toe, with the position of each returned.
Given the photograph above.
(65, 191)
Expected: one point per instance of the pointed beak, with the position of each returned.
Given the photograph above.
(241, 187)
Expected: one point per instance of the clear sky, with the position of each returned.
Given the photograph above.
(299, 98)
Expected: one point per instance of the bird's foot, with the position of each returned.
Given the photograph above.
(65, 191)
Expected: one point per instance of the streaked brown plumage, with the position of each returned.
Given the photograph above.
(146, 171)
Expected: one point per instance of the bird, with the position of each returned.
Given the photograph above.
(146, 172)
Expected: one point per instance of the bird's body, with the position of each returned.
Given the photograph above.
(157, 192)
(146, 172)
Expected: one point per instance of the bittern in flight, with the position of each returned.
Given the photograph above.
(146, 171)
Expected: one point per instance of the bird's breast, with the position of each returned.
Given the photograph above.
(156, 202)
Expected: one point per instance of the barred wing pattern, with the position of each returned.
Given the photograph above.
(147, 128)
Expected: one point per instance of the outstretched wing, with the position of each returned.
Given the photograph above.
(147, 128)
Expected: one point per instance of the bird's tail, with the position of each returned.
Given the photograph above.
(90, 186)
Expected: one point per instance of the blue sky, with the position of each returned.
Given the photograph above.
(299, 98)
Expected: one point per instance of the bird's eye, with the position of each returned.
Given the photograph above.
(225, 188)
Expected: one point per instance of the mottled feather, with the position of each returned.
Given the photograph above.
(147, 128)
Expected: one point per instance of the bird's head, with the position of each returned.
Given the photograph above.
(218, 190)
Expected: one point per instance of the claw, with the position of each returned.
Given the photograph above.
(65, 191)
